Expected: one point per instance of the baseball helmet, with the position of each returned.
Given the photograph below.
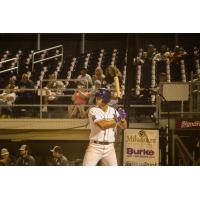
(104, 94)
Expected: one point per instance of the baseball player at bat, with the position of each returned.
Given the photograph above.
(103, 121)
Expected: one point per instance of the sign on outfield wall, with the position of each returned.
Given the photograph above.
(141, 147)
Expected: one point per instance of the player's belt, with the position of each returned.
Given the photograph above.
(103, 143)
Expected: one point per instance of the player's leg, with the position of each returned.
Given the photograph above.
(92, 156)
(109, 156)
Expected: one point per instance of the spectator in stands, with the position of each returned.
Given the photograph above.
(7, 159)
(25, 83)
(113, 99)
(98, 75)
(25, 159)
(12, 82)
(54, 90)
(24, 96)
(95, 87)
(57, 158)
(7, 98)
(84, 76)
(111, 72)
(178, 54)
(140, 57)
(149, 55)
(79, 98)
(163, 55)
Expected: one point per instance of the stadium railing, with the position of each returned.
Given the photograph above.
(34, 60)
(9, 69)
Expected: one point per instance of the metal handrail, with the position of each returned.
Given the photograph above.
(7, 70)
(48, 58)
(48, 49)
(5, 61)
(10, 69)
(42, 51)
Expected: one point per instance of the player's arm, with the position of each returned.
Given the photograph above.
(105, 124)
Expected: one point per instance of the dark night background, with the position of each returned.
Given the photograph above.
(94, 41)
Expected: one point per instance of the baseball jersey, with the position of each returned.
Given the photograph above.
(96, 114)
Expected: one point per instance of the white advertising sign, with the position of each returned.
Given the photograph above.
(141, 147)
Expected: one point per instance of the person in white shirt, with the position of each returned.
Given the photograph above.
(114, 98)
(95, 87)
(104, 120)
(8, 97)
(84, 76)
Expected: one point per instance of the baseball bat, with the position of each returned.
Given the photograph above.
(117, 86)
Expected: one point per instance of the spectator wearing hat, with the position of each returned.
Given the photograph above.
(7, 159)
(57, 158)
(85, 77)
(25, 159)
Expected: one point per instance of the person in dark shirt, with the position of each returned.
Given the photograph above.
(25, 82)
(25, 159)
(57, 159)
(7, 159)
(24, 96)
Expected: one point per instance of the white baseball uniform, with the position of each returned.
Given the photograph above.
(104, 152)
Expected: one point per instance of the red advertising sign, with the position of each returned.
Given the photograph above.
(188, 124)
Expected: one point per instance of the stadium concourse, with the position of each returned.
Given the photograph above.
(46, 94)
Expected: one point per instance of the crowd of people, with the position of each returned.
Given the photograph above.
(164, 53)
(85, 85)
(24, 158)
(23, 91)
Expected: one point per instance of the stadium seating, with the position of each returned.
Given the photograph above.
(146, 72)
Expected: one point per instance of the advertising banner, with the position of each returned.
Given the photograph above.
(188, 124)
(141, 147)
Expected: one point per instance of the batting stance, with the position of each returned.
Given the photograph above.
(103, 122)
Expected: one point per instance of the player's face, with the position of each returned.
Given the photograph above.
(99, 101)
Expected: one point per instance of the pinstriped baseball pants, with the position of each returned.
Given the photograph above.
(97, 152)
